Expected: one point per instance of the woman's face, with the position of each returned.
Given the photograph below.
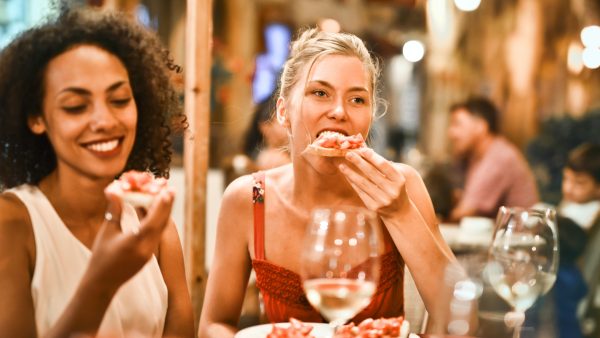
(335, 95)
(89, 113)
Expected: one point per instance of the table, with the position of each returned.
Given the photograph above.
(462, 240)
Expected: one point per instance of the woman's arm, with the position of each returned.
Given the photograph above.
(231, 266)
(116, 257)
(180, 318)
(17, 252)
(399, 196)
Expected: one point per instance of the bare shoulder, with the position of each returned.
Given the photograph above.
(239, 191)
(14, 217)
(409, 172)
(15, 226)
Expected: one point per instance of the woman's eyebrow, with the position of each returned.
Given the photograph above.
(116, 85)
(328, 85)
(86, 92)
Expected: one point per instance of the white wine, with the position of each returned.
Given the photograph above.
(339, 299)
(518, 283)
(520, 294)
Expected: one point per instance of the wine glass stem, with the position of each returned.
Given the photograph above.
(517, 332)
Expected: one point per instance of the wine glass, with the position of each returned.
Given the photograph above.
(523, 259)
(340, 261)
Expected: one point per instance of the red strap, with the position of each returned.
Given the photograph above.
(258, 199)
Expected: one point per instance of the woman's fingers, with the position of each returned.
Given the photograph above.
(112, 216)
(364, 186)
(158, 215)
(377, 170)
(384, 166)
(370, 203)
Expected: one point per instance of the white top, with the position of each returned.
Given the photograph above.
(584, 214)
(138, 308)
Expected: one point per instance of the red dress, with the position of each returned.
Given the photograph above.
(281, 289)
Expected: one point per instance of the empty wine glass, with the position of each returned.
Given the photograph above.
(340, 262)
(523, 259)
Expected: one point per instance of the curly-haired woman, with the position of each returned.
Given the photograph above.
(84, 97)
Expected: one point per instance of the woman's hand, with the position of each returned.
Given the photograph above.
(118, 255)
(378, 182)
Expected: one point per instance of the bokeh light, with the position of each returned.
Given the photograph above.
(413, 50)
(467, 5)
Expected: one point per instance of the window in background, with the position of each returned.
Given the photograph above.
(269, 64)
(18, 15)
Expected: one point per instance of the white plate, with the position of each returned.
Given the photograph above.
(320, 330)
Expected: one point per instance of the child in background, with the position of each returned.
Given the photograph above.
(578, 222)
(581, 186)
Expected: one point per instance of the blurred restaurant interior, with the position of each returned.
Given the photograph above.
(537, 60)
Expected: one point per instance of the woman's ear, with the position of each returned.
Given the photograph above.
(36, 124)
(282, 116)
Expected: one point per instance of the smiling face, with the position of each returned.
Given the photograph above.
(335, 95)
(89, 114)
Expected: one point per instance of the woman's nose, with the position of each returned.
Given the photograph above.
(103, 118)
(338, 111)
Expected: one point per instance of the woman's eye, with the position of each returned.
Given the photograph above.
(358, 100)
(320, 93)
(121, 102)
(75, 109)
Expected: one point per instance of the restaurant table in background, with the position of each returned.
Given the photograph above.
(473, 234)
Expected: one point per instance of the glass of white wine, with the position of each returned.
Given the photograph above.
(523, 259)
(340, 262)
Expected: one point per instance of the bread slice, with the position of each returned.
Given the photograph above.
(137, 188)
(327, 152)
(334, 144)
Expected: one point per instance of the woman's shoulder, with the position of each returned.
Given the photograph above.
(408, 171)
(12, 209)
(15, 223)
(242, 187)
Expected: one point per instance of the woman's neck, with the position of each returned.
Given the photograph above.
(76, 198)
(329, 187)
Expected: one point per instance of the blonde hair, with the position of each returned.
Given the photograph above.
(312, 44)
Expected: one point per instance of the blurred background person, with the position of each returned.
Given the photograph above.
(266, 139)
(578, 223)
(495, 172)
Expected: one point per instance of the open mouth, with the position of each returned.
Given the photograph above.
(331, 132)
(104, 146)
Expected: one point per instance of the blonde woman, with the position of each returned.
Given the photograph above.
(329, 82)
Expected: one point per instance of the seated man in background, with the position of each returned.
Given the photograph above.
(496, 173)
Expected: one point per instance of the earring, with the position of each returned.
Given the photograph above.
(36, 125)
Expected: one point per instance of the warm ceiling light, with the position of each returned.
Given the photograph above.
(467, 5)
(590, 36)
(591, 57)
(413, 50)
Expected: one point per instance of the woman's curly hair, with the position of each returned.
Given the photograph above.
(26, 157)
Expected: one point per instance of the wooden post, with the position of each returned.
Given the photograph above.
(197, 107)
